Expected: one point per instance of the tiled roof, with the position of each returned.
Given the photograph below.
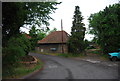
(55, 37)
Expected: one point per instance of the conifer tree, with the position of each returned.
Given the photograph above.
(76, 40)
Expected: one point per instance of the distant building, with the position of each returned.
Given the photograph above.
(55, 42)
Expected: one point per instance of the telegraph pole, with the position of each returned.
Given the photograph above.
(62, 36)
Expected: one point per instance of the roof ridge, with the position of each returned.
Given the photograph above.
(54, 37)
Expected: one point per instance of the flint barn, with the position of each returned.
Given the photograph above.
(55, 42)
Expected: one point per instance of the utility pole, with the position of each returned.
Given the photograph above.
(62, 36)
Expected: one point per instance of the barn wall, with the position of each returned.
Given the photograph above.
(52, 48)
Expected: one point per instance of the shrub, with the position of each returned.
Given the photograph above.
(11, 58)
(12, 55)
(16, 48)
(20, 41)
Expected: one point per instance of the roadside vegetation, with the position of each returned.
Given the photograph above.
(66, 55)
(15, 43)
(22, 70)
(100, 54)
(105, 25)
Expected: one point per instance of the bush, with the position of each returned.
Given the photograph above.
(16, 48)
(11, 58)
(20, 41)
(76, 47)
(12, 55)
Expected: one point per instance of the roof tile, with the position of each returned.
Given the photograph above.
(55, 37)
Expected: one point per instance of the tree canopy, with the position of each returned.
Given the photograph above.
(16, 14)
(105, 25)
(16, 44)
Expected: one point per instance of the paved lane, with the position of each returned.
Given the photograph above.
(64, 68)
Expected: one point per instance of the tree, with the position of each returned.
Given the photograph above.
(10, 20)
(36, 34)
(105, 25)
(54, 29)
(16, 14)
(76, 40)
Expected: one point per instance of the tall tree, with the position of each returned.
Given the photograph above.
(16, 14)
(36, 34)
(76, 41)
(105, 25)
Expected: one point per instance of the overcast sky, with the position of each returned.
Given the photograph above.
(66, 10)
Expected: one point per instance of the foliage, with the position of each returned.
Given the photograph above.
(11, 55)
(76, 41)
(11, 58)
(16, 14)
(17, 47)
(54, 29)
(33, 35)
(12, 19)
(20, 41)
(36, 34)
(38, 12)
(86, 43)
(105, 25)
(96, 52)
(63, 55)
(22, 70)
(67, 55)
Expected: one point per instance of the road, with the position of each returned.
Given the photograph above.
(65, 68)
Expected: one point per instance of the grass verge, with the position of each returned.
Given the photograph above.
(104, 57)
(24, 69)
(71, 55)
(101, 55)
(66, 55)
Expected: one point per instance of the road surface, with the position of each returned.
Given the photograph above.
(65, 68)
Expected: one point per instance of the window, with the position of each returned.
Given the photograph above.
(42, 50)
(53, 49)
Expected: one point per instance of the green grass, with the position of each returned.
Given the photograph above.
(95, 52)
(62, 54)
(54, 54)
(104, 57)
(101, 55)
(70, 55)
(24, 69)
(66, 55)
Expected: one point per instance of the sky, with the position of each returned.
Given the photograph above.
(66, 10)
